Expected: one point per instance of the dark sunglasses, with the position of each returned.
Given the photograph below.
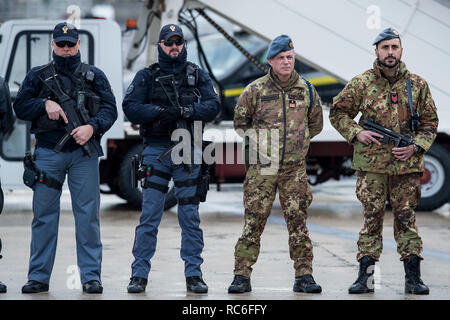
(62, 44)
(170, 43)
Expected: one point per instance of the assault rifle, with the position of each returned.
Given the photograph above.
(181, 123)
(75, 111)
(389, 136)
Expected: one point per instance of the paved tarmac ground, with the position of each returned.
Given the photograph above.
(335, 219)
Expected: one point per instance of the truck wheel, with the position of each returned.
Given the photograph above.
(436, 179)
(134, 195)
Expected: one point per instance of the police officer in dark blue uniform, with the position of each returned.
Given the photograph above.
(160, 98)
(59, 152)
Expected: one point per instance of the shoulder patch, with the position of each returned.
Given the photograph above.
(130, 89)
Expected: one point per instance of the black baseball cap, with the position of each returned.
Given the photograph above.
(170, 30)
(65, 32)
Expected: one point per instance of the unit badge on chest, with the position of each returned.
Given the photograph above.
(394, 98)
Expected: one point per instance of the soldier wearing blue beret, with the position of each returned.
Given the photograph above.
(387, 34)
(279, 44)
(397, 99)
(280, 100)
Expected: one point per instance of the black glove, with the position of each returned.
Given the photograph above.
(187, 112)
(169, 116)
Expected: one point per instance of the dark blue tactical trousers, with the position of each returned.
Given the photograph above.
(152, 210)
(83, 182)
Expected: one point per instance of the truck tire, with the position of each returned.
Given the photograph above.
(134, 195)
(436, 179)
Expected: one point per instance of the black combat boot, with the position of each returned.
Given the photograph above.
(413, 283)
(196, 285)
(137, 285)
(93, 286)
(2, 287)
(306, 284)
(34, 287)
(240, 284)
(361, 284)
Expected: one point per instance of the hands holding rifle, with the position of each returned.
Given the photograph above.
(81, 134)
(400, 153)
(170, 115)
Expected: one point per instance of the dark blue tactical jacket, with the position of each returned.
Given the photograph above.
(138, 103)
(30, 105)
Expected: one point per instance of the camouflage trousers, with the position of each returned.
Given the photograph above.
(295, 197)
(403, 191)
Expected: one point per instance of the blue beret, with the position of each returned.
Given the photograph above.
(65, 32)
(387, 34)
(279, 44)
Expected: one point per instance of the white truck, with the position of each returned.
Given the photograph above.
(337, 42)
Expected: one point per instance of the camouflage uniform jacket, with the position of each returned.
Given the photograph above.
(267, 103)
(370, 94)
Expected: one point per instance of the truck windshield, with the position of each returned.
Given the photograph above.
(222, 56)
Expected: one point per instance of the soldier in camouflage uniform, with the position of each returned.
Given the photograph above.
(278, 101)
(383, 171)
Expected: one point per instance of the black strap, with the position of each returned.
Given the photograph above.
(158, 173)
(415, 122)
(157, 186)
(191, 74)
(49, 181)
(188, 183)
(190, 200)
(38, 175)
(408, 88)
(311, 96)
(49, 77)
(154, 69)
(79, 76)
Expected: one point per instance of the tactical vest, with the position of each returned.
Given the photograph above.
(81, 80)
(188, 94)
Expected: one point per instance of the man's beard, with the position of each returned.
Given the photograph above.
(396, 62)
(174, 53)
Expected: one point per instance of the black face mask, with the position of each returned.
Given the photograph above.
(170, 64)
(67, 63)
